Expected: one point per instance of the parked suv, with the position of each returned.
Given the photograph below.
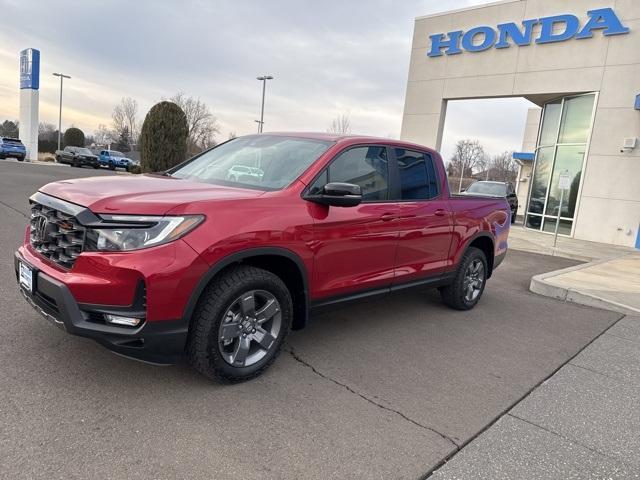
(77, 157)
(496, 189)
(114, 159)
(191, 261)
(12, 147)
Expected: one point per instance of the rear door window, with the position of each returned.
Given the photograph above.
(417, 174)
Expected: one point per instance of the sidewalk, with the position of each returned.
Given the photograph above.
(583, 422)
(521, 238)
(610, 281)
(609, 284)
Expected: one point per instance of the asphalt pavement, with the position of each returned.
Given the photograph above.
(381, 389)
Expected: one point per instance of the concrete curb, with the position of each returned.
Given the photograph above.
(541, 286)
(553, 252)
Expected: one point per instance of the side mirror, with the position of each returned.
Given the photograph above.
(338, 194)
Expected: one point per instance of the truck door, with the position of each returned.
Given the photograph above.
(355, 247)
(425, 223)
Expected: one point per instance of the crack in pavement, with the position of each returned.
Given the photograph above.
(14, 209)
(297, 358)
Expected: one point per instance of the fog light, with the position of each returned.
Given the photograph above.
(119, 320)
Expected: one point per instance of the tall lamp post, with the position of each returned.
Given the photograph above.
(62, 77)
(263, 79)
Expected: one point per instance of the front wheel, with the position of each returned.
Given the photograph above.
(468, 284)
(240, 324)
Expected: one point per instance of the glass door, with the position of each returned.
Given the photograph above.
(562, 146)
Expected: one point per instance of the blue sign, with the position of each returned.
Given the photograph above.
(30, 69)
(637, 102)
(552, 29)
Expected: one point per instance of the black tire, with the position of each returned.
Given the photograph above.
(456, 295)
(204, 345)
(95, 167)
(20, 159)
(111, 166)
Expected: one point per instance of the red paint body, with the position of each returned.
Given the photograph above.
(343, 250)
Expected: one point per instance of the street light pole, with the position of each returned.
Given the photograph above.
(263, 79)
(62, 77)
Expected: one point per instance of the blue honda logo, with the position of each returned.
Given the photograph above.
(552, 29)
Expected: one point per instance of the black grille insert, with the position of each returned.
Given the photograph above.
(56, 235)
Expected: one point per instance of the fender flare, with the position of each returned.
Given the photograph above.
(237, 257)
(470, 240)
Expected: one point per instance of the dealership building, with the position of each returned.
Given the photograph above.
(579, 61)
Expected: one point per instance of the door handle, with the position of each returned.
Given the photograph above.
(386, 217)
(440, 212)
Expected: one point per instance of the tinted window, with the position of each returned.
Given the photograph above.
(364, 166)
(418, 179)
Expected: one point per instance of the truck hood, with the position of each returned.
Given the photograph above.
(140, 194)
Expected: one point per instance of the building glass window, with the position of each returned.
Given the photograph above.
(562, 144)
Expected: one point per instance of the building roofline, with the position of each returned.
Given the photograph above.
(466, 9)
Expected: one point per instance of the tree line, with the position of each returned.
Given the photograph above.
(470, 162)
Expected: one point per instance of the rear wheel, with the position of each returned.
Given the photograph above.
(111, 166)
(240, 324)
(467, 287)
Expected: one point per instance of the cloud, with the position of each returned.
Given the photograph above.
(327, 58)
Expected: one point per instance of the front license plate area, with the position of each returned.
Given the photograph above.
(26, 277)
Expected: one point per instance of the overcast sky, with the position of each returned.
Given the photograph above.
(328, 57)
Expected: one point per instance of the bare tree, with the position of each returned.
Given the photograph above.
(503, 168)
(467, 156)
(232, 135)
(102, 135)
(125, 115)
(340, 125)
(203, 125)
(47, 131)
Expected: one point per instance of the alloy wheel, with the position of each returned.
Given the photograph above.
(249, 328)
(473, 280)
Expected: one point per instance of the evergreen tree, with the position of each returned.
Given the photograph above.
(73, 137)
(163, 139)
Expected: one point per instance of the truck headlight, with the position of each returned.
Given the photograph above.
(119, 233)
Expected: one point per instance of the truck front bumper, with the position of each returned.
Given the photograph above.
(160, 342)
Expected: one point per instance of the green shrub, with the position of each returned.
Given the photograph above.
(135, 169)
(163, 139)
(73, 137)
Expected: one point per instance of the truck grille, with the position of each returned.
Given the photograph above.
(56, 235)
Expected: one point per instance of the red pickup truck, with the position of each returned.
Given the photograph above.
(220, 266)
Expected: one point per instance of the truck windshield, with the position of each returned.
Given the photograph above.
(263, 162)
(83, 151)
(488, 188)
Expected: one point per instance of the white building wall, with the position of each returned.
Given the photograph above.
(28, 126)
(530, 138)
(609, 209)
